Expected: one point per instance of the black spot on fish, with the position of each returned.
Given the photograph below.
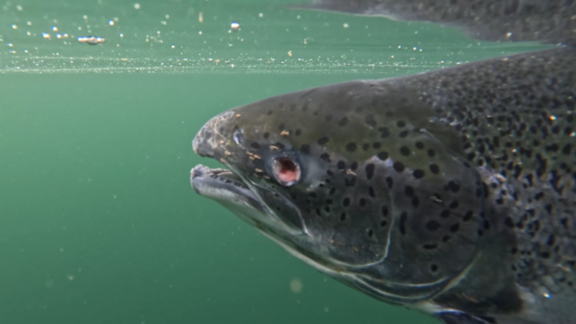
(343, 121)
(323, 140)
(404, 151)
(384, 132)
(369, 170)
(418, 174)
(403, 218)
(383, 156)
(346, 202)
(384, 211)
(389, 182)
(454, 228)
(370, 120)
(351, 147)
(398, 166)
(432, 225)
(453, 186)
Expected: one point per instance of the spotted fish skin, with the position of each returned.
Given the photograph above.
(450, 191)
(550, 21)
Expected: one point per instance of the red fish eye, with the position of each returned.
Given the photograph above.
(286, 171)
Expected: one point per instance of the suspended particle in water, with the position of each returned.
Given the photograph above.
(111, 22)
(54, 28)
(91, 40)
(260, 15)
(296, 285)
(137, 6)
(173, 46)
(49, 283)
(235, 26)
(46, 35)
(19, 8)
(14, 26)
(345, 25)
(200, 17)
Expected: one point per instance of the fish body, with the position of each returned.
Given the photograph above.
(550, 21)
(451, 192)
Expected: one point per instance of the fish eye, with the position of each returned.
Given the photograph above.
(286, 171)
(238, 136)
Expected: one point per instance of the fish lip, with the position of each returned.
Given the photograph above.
(223, 185)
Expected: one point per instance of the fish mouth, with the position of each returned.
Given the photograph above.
(225, 187)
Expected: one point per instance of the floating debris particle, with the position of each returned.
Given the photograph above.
(200, 17)
(296, 285)
(137, 6)
(235, 26)
(260, 15)
(91, 40)
(345, 25)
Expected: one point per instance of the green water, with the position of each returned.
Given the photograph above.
(98, 222)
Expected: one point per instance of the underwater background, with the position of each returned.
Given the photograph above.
(98, 222)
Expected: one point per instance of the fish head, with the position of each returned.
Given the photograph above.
(354, 179)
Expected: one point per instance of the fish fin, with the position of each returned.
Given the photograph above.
(463, 318)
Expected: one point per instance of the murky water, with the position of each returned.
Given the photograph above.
(98, 223)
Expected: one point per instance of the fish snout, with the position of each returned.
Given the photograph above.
(201, 144)
(212, 135)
